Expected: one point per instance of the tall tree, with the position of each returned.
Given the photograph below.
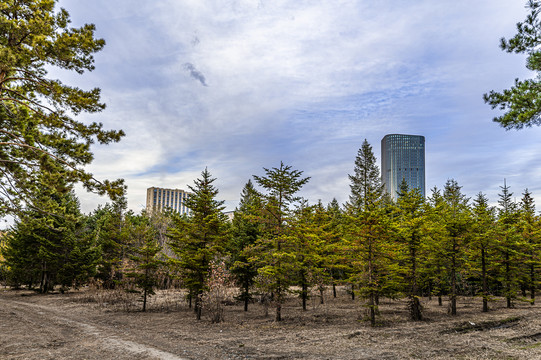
(457, 220)
(410, 218)
(522, 102)
(369, 227)
(196, 240)
(482, 242)
(52, 249)
(435, 270)
(146, 257)
(529, 228)
(245, 230)
(275, 249)
(106, 224)
(510, 255)
(366, 187)
(38, 132)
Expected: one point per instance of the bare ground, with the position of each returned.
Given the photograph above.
(95, 325)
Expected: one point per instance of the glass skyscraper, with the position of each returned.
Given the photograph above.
(403, 157)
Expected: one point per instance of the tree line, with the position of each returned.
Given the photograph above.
(278, 243)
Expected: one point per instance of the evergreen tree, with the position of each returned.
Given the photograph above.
(275, 250)
(482, 243)
(435, 274)
(410, 222)
(508, 244)
(52, 249)
(521, 102)
(146, 255)
(366, 187)
(368, 228)
(529, 227)
(245, 231)
(456, 221)
(338, 266)
(199, 238)
(317, 249)
(106, 225)
(38, 133)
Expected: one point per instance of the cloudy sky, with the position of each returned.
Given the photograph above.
(238, 85)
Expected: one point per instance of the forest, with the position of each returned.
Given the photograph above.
(278, 245)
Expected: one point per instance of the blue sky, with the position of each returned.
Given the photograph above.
(239, 85)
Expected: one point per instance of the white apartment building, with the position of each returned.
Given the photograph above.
(159, 199)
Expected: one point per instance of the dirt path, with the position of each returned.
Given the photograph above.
(75, 326)
(33, 331)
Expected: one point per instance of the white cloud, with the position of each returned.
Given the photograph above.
(304, 82)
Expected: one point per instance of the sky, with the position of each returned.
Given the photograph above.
(238, 85)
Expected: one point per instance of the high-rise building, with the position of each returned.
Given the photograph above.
(159, 199)
(403, 157)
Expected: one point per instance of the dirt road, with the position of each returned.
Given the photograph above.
(33, 331)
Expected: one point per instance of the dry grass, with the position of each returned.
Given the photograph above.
(333, 330)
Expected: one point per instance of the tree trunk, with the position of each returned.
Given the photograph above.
(453, 280)
(485, 282)
(532, 284)
(372, 306)
(508, 281)
(334, 290)
(144, 300)
(198, 305)
(304, 291)
(246, 294)
(278, 312)
(321, 290)
(352, 292)
(415, 304)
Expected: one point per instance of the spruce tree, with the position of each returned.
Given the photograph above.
(410, 230)
(275, 250)
(456, 220)
(52, 249)
(531, 234)
(245, 230)
(146, 258)
(366, 186)
(199, 238)
(368, 228)
(509, 247)
(482, 243)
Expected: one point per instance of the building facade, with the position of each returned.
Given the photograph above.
(159, 199)
(403, 157)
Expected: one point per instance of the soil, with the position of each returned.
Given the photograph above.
(91, 324)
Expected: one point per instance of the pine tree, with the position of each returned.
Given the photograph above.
(435, 274)
(198, 239)
(52, 249)
(410, 222)
(245, 231)
(509, 248)
(521, 102)
(38, 133)
(106, 225)
(368, 228)
(338, 266)
(366, 187)
(146, 255)
(456, 221)
(482, 242)
(275, 250)
(531, 233)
